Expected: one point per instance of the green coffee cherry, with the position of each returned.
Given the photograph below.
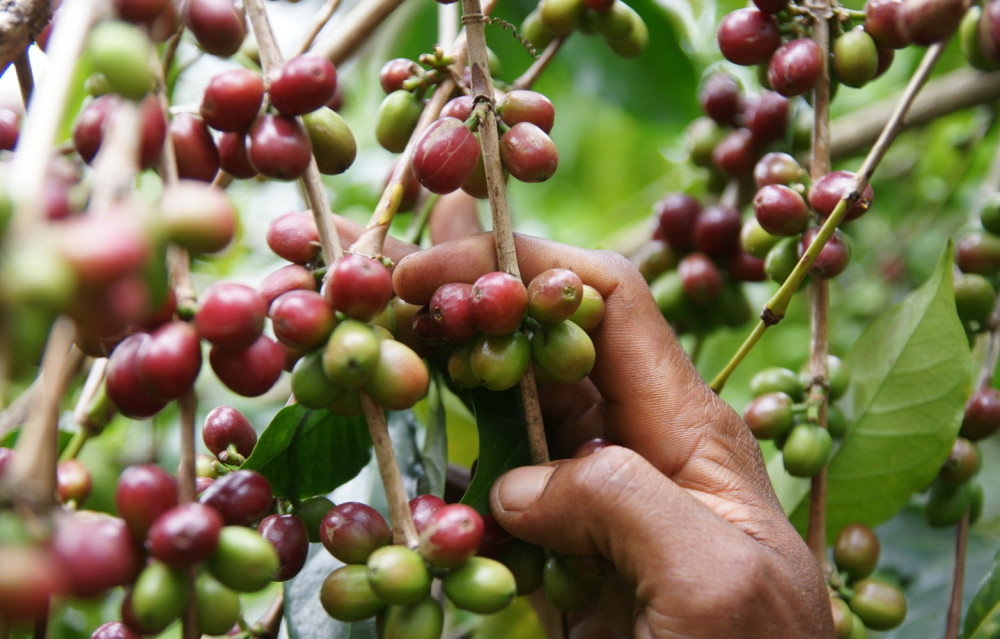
(422, 620)
(564, 589)
(243, 560)
(989, 217)
(778, 380)
(635, 41)
(974, 297)
(843, 618)
(460, 366)
(159, 596)
(398, 575)
(310, 385)
(769, 415)
(498, 362)
(564, 350)
(855, 58)
(969, 38)
(332, 141)
(347, 596)
(122, 53)
(806, 450)
(312, 511)
(755, 240)
(858, 630)
(589, 314)
(782, 259)
(947, 504)
(617, 23)
(351, 354)
(396, 119)
(879, 605)
(668, 291)
(561, 16)
(526, 562)
(856, 550)
(218, 607)
(836, 421)
(480, 585)
(534, 30)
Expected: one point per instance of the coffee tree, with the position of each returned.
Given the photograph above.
(168, 177)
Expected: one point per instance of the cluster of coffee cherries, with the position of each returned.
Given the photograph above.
(229, 539)
(394, 581)
(862, 600)
(783, 226)
(977, 256)
(496, 327)
(695, 264)
(447, 154)
(621, 28)
(778, 412)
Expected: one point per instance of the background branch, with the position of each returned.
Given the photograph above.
(20, 23)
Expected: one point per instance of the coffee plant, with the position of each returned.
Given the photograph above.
(217, 417)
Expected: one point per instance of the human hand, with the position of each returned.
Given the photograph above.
(683, 508)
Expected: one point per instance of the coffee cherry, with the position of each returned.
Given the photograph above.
(962, 463)
(88, 128)
(169, 361)
(218, 25)
(140, 11)
(395, 72)
(590, 313)
(121, 52)
(880, 605)
(10, 126)
(982, 415)
(400, 379)
(232, 100)
(159, 596)
(301, 84)
(142, 495)
(105, 247)
(554, 295)
(498, 362)
(855, 58)
(780, 210)
(561, 16)
(185, 535)
(224, 427)
(776, 168)
(883, 25)
(777, 379)
(218, 607)
(312, 511)
(979, 253)
(480, 585)
(351, 354)
(701, 137)
(449, 309)
(856, 551)
(748, 36)
(460, 365)
(700, 277)
(843, 618)
(396, 119)
(398, 575)
(352, 531)
(302, 319)
(528, 153)
(735, 153)
(521, 105)
(73, 481)
(833, 257)
(676, 214)
(989, 32)
(719, 97)
(124, 382)
(946, 504)
(928, 21)
(451, 536)
(806, 450)
(96, 553)
(795, 67)
(717, 231)
(114, 630)
(230, 316)
(288, 535)
(564, 351)
(279, 147)
(767, 118)
(310, 385)
(244, 560)
(564, 589)
(422, 507)
(445, 155)
(233, 158)
(333, 143)
(31, 575)
(242, 497)
(293, 236)
(347, 595)
(422, 620)
(197, 216)
(360, 287)
(195, 150)
(769, 416)
(497, 303)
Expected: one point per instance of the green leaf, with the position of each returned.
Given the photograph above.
(982, 619)
(910, 382)
(305, 452)
(503, 442)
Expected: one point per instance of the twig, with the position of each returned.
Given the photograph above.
(81, 414)
(403, 530)
(187, 405)
(312, 181)
(25, 77)
(503, 232)
(527, 79)
(354, 29)
(322, 17)
(957, 578)
(269, 624)
(20, 22)
(775, 308)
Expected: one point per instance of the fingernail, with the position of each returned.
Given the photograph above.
(520, 488)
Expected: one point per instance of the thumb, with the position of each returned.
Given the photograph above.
(613, 503)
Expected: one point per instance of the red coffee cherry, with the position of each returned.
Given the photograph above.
(717, 231)
(521, 105)
(422, 507)
(827, 191)
(218, 25)
(497, 303)
(230, 316)
(528, 153)
(767, 117)
(195, 150)
(233, 158)
(143, 494)
(302, 319)
(294, 237)
(292, 277)
(748, 36)
(73, 481)
(449, 309)
(676, 214)
(185, 535)
(720, 97)
(302, 84)
(452, 534)
(700, 278)
(232, 100)
(445, 155)
(795, 67)
(554, 295)
(242, 497)
(776, 168)
(170, 360)
(780, 210)
(96, 552)
(882, 23)
(289, 536)
(360, 287)
(735, 153)
(224, 427)
(125, 384)
(982, 415)
(279, 147)
(352, 531)
(833, 257)
(395, 72)
(251, 371)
